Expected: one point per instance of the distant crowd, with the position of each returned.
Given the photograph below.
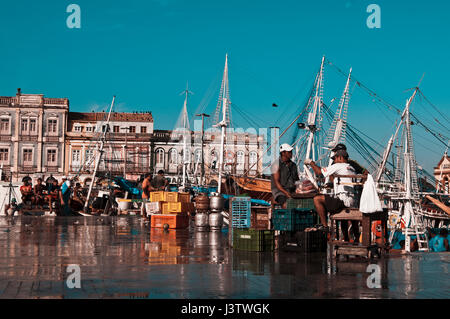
(57, 195)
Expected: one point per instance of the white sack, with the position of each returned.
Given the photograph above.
(370, 203)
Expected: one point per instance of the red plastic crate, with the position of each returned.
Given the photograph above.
(174, 221)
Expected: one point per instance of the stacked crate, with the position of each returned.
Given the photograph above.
(294, 219)
(253, 239)
(295, 225)
(169, 208)
(243, 236)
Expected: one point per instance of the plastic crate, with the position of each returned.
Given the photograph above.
(178, 221)
(158, 196)
(293, 219)
(307, 242)
(241, 212)
(253, 240)
(307, 203)
(178, 197)
(177, 208)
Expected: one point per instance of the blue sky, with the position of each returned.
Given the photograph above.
(145, 51)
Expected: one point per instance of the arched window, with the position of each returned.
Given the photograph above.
(173, 156)
(253, 157)
(160, 157)
(198, 156)
(240, 158)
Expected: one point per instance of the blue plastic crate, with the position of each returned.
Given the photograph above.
(241, 212)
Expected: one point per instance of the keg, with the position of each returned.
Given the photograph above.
(201, 221)
(216, 202)
(202, 202)
(215, 220)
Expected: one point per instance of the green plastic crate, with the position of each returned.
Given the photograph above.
(293, 219)
(253, 239)
(307, 203)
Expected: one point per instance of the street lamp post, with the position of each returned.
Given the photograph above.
(127, 129)
(203, 115)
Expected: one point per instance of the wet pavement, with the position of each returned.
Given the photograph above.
(122, 257)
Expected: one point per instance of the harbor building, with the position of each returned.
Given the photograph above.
(442, 175)
(127, 149)
(32, 135)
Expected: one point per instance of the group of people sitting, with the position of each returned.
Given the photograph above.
(59, 196)
(285, 174)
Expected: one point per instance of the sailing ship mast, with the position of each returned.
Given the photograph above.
(313, 121)
(409, 195)
(339, 125)
(224, 102)
(186, 135)
(99, 155)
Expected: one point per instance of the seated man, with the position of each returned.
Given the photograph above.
(78, 199)
(284, 176)
(344, 195)
(27, 192)
(39, 197)
(439, 243)
(54, 195)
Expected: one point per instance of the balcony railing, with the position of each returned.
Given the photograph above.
(7, 100)
(56, 101)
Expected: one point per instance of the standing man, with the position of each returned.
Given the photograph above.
(65, 196)
(284, 176)
(160, 182)
(344, 195)
(147, 186)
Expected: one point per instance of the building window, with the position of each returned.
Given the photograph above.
(78, 128)
(160, 157)
(51, 157)
(240, 159)
(28, 156)
(116, 129)
(76, 156)
(173, 156)
(143, 129)
(24, 125)
(253, 158)
(197, 156)
(89, 128)
(132, 129)
(4, 126)
(89, 156)
(32, 125)
(52, 126)
(4, 155)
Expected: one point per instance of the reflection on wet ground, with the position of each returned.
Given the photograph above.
(122, 257)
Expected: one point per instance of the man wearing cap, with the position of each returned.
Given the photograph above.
(358, 168)
(344, 195)
(284, 176)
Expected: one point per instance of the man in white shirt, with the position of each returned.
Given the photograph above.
(344, 195)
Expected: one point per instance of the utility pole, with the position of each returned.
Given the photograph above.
(203, 115)
(127, 129)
